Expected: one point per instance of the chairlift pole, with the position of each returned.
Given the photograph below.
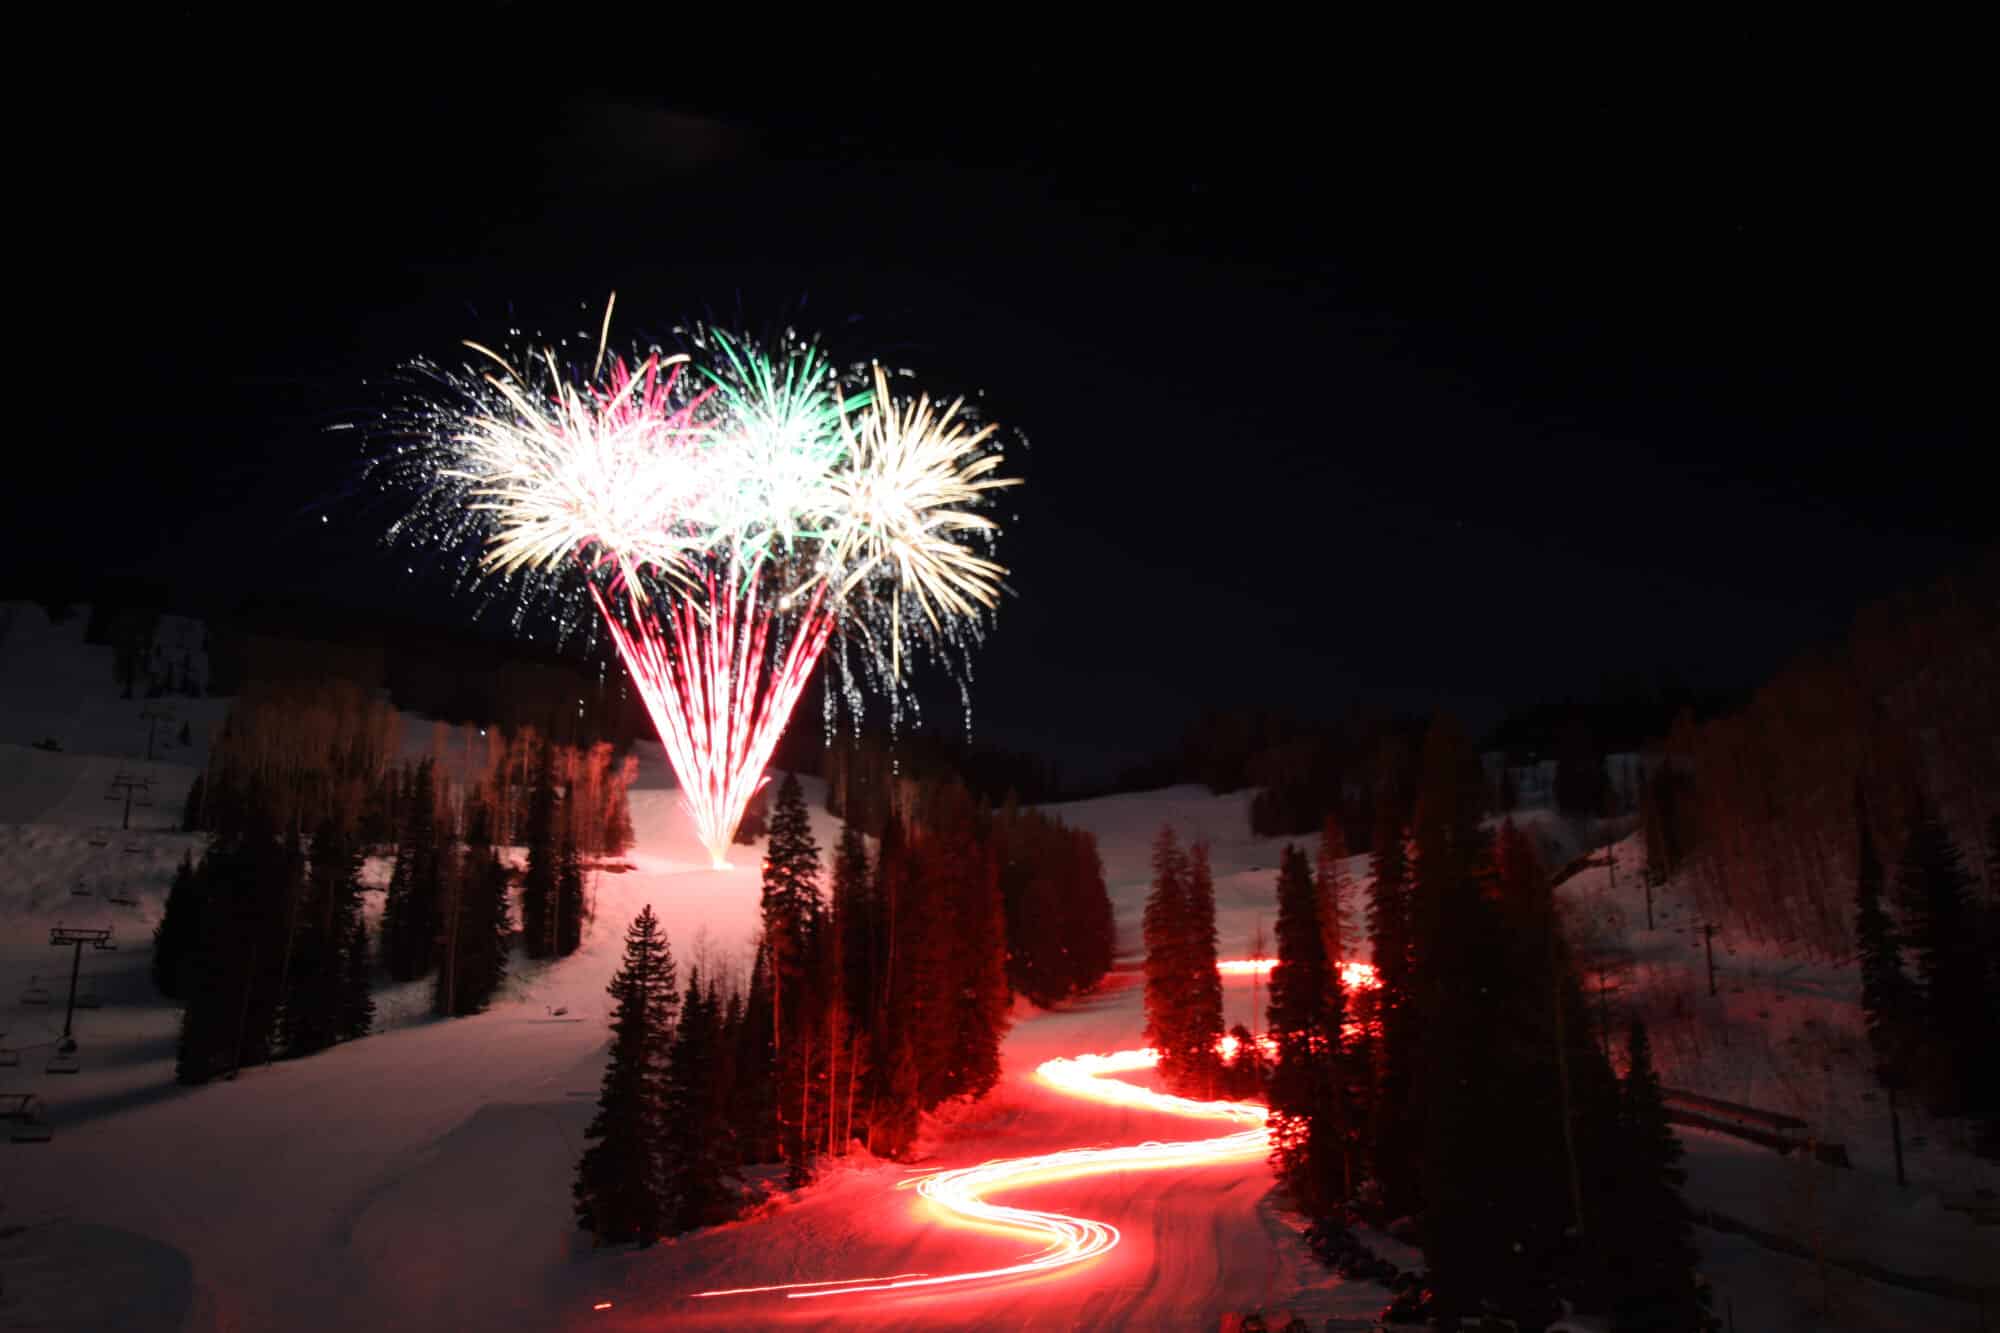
(128, 786)
(75, 939)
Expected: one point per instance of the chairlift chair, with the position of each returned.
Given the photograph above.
(133, 849)
(79, 890)
(10, 1057)
(22, 1116)
(63, 1062)
(36, 993)
(100, 842)
(121, 900)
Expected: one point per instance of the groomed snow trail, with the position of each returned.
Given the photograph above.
(960, 1194)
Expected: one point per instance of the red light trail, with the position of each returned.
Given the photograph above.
(959, 1195)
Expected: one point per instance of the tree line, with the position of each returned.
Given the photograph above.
(1463, 1088)
(1759, 807)
(879, 989)
(264, 941)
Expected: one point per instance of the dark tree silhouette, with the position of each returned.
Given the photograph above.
(620, 1193)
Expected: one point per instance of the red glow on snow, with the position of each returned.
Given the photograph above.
(1356, 976)
(958, 1195)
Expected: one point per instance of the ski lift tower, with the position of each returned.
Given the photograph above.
(126, 787)
(70, 937)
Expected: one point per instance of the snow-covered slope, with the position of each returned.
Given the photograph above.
(420, 1178)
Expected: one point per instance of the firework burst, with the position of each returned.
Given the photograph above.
(729, 511)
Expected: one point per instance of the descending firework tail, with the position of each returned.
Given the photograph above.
(731, 510)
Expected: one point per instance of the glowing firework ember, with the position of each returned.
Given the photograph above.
(731, 511)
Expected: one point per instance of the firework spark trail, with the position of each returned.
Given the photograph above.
(717, 708)
(1066, 1240)
(730, 509)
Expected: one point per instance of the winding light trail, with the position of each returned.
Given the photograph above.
(959, 1194)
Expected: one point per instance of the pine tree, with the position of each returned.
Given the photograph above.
(1464, 1154)
(311, 1018)
(1336, 921)
(1544, 1173)
(1653, 1259)
(756, 1092)
(791, 909)
(1956, 1015)
(959, 867)
(790, 894)
(1204, 982)
(179, 931)
(357, 999)
(569, 897)
(857, 917)
(479, 927)
(691, 1167)
(416, 886)
(538, 881)
(1887, 997)
(1308, 1121)
(231, 985)
(1394, 1124)
(1166, 932)
(621, 1194)
(192, 806)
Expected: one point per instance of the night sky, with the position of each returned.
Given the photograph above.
(1387, 398)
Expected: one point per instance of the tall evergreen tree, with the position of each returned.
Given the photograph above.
(959, 867)
(538, 880)
(357, 998)
(691, 1163)
(1204, 982)
(1394, 1122)
(1336, 918)
(1166, 931)
(569, 896)
(790, 894)
(232, 987)
(416, 886)
(478, 927)
(621, 1194)
(1956, 1005)
(791, 910)
(1308, 1115)
(1653, 1265)
(756, 1083)
(312, 1003)
(1888, 999)
(1467, 1228)
(858, 919)
(179, 931)
(1531, 1056)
